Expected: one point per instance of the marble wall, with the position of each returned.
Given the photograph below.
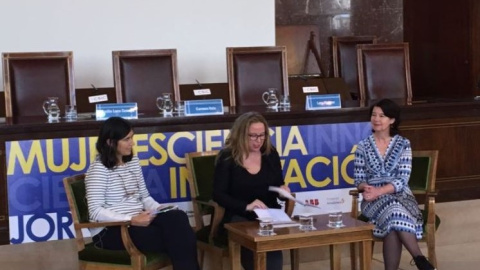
(383, 18)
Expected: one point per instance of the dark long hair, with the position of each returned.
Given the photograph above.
(391, 110)
(112, 130)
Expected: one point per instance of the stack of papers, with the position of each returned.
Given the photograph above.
(279, 217)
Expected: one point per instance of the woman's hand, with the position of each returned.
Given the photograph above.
(371, 193)
(143, 219)
(256, 204)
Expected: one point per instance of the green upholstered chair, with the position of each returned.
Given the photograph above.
(422, 184)
(91, 257)
(201, 169)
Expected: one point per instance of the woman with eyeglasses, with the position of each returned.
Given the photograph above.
(116, 191)
(244, 170)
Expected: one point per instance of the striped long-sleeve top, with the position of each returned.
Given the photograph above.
(116, 194)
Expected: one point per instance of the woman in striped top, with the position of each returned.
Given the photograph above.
(116, 191)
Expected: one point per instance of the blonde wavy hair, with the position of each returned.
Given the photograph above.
(237, 140)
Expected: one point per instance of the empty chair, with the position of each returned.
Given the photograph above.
(384, 72)
(29, 78)
(253, 70)
(344, 53)
(143, 75)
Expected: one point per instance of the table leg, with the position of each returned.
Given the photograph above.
(335, 257)
(260, 260)
(365, 254)
(234, 250)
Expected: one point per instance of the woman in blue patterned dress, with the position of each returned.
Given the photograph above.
(383, 164)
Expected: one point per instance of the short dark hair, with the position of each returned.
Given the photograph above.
(391, 110)
(112, 130)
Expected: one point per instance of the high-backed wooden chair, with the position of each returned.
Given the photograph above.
(422, 183)
(253, 70)
(30, 77)
(95, 258)
(384, 72)
(201, 169)
(143, 75)
(344, 53)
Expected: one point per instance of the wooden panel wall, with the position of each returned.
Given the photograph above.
(439, 33)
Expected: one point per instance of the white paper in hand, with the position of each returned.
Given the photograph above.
(289, 196)
(278, 216)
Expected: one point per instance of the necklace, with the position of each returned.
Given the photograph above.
(130, 184)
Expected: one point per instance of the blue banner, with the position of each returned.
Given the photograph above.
(314, 158)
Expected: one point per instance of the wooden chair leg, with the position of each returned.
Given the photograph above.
(295, 259)
(432, 256)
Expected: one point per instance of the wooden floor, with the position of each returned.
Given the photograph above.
(458, 243)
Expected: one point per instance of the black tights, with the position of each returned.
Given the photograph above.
(169, 232)
(392, 248)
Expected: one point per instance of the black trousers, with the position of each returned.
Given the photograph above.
(169, 232)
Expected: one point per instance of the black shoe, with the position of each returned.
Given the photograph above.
(423, 264)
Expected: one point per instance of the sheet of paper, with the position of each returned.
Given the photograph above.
(277, 215)
(289, 196)
(284, 225)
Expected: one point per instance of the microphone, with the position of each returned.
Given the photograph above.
(199, 84)
(303, 77)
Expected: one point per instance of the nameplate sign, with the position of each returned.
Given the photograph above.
(202, 92)
(203, 107)
(98, 98)
(310, 89)
(323, 102)
(125, 110)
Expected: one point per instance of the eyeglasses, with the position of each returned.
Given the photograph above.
(254, 137)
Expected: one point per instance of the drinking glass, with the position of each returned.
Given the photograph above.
(70, 112)
(180, 106)
(265, 227)
(306, 223)
(335, 219)
(284, 102)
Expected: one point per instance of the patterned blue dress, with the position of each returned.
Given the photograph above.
(390, 212)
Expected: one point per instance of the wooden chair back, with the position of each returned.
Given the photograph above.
(384, 72)
(143, 75)
(253, 70)
(30, 77)
(344, 54)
